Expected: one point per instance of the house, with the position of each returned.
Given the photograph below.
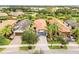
(18, 13)
(21, 26)
(3, 14)
(40, 26)
(7, 22)
(71, 23)
(15, 14)
(62, 27)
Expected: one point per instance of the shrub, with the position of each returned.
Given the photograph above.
(29, 37)
(3, 17)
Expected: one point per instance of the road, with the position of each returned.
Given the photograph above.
(16, 41)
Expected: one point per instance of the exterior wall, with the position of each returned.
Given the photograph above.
(18, 34)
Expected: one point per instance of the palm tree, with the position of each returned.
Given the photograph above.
(6, 31)
(52, 29)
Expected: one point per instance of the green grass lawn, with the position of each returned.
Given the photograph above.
(6, 43)
(25, 48)
(1, 49)
(56, 47)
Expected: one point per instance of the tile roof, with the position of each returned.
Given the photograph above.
(61, 25)
(22, 25)
(40, 24)
(7, 22)
(3, 14)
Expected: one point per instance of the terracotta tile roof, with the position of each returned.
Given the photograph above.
(7, 22)
(62, 27)
(3, 14)
(40, 24)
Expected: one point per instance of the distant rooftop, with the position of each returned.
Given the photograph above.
(3, 14)
(18, 13)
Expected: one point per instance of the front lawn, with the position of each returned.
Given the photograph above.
(58, 47)
(6, 42)
(3, 41)
(25, 48)
(56, 42)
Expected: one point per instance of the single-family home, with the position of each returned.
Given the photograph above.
(40, 26)
(7, 22)
(71, 23)
(21, 26)
(61, 26)
(15, 14)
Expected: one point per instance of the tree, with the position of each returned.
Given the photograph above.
(52, 29)
(3, 17)
(6, 31)
(75, 33)
(30, 37)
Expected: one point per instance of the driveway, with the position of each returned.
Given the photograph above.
(16, 41)
(42, 44)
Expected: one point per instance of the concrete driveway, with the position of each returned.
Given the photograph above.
(16, 41)
(42, 44)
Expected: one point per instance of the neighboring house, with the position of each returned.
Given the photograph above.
(7, 22)
(15, 14)
(18, 13)
(3, 14)
(21, 26)
(71, 23)
(62, 27)
(40, 26)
